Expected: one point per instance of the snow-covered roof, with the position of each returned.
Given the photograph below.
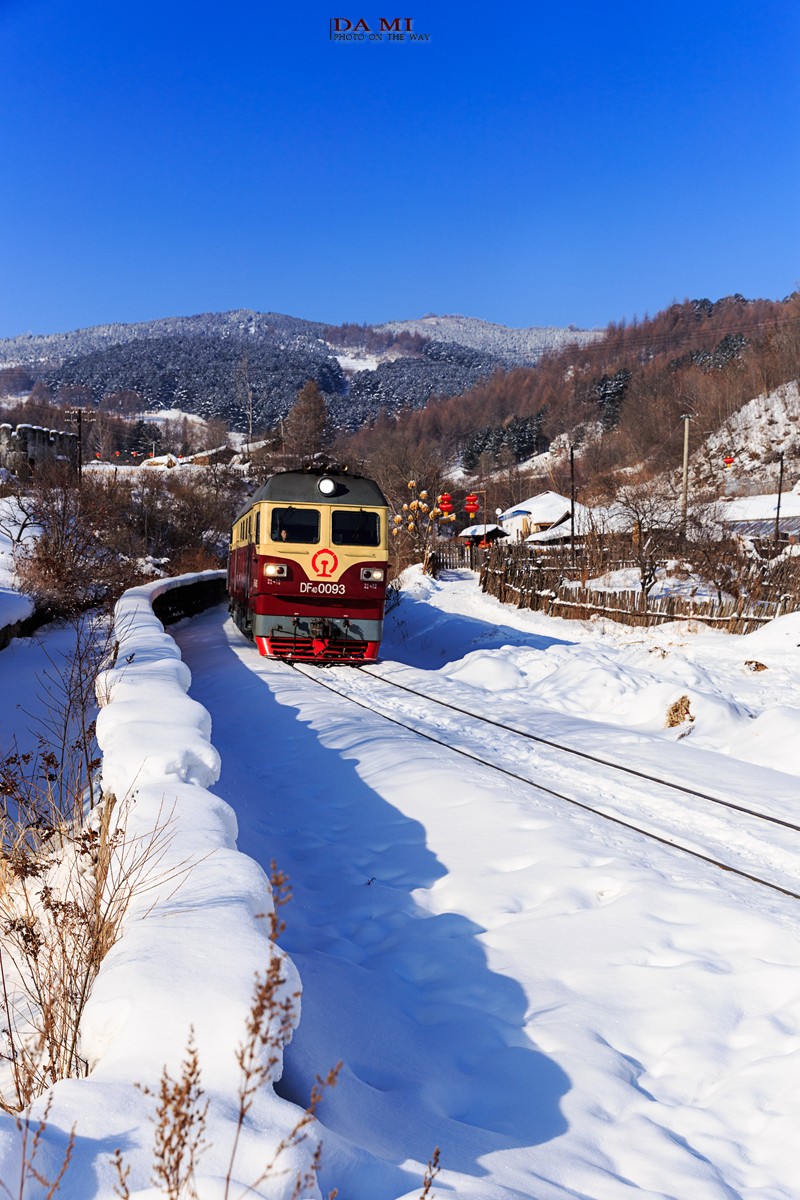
(557, 533)
(760, 508)
(766, 528)
(545, 509)
(482, 530)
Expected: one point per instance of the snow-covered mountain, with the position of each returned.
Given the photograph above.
(206, 364)
(29, 349)
(518, 347)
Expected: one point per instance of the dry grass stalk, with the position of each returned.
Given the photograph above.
(281, 895)
(431, 1171)
(61, 911)
(180, 1128)
(31, 1137)
(272, 1016)
(69, 870)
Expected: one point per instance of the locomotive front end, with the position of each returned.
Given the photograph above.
(308, 570)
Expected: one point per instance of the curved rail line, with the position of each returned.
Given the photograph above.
(540, 787)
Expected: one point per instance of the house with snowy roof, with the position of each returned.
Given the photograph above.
(754, 516)
(539, 514)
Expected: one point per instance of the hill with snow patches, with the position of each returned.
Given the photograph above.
(754, 435)
(205, 364)
(518, 347)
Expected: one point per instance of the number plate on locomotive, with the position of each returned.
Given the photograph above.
(322, 589)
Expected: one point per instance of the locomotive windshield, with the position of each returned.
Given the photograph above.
(355, 528)
(295, 525)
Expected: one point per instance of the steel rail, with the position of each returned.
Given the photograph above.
(594, 758)
(598, 812)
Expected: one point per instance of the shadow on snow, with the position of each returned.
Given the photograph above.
(432, 1040)
(421, 635)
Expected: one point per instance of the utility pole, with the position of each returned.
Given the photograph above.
(77, 416)
(685, 486)
(572, 501)
(778, 509)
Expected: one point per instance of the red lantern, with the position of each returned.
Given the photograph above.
(728, 460)
(445, 502)
(471, 504)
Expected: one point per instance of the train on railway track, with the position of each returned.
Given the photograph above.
(308, 565)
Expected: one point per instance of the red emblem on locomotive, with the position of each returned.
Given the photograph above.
(324, 563)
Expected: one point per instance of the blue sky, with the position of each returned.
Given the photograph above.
(528, 164)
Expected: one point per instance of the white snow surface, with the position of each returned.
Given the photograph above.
(568, 1010)
(14, 606)
(354, 362)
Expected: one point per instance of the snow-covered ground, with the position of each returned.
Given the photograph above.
(353, 362)
(567, 1009)
(13, 605)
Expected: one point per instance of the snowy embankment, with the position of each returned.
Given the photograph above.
(193, 940)
(752, 434)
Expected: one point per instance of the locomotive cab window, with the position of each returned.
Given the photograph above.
(295, 525)
(355, 528)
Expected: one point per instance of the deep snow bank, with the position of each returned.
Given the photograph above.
(193, 940)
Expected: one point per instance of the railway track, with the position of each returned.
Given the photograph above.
(751, 850)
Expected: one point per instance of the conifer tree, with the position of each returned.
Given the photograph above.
(305, 429)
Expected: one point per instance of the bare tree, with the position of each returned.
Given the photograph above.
(652, 511)
(244, 389)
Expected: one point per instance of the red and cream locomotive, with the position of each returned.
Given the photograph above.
(308, 564)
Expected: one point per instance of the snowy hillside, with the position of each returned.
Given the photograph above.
(29, 348)
(565, 1006)
(755, 434)
(515, 346)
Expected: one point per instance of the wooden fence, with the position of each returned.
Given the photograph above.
(526, 583)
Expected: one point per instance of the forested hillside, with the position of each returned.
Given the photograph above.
(247, 367)
(401, 403)
(620, 400)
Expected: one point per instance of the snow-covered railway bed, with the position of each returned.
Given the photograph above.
(761, 846)
(565, 1008)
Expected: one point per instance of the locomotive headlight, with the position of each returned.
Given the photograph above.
(276, 570)
(327, 486)
(372, 575)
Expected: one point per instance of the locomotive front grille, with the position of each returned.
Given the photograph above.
(309, 648)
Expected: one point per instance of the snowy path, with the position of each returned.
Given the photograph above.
(566, 1010)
